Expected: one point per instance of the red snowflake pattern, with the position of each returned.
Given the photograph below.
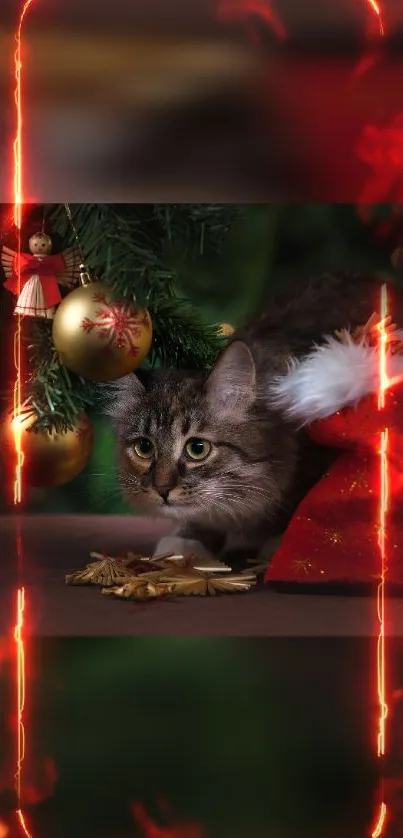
(117, 325)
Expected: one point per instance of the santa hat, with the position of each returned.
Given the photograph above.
(333, 375)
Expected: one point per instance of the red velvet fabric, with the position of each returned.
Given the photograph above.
(47, 268)
(334, 535)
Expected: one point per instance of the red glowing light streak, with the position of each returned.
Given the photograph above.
(378, 12)
(20, 680)
(382, 527)
(17, 429)
(18, 203)
(17, 144)
(17, 393)
(262, 10)
(380, 822)
(23, 824)
(381, 594)
(151, 829)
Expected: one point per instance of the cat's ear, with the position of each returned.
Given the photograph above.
(117, 398)
(231, 384)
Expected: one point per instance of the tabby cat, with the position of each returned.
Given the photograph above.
(210, 451)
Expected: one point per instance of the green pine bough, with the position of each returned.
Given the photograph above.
(139, 250)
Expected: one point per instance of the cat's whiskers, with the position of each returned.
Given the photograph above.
(246, 488)
(248, 493)
(233, 505)
(222, 506)
(222, 503)
(107, 499)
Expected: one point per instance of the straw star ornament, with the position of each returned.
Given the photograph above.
(145, 578)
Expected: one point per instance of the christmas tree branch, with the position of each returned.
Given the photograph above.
(180, 339)
(56, 396)
(130, 247)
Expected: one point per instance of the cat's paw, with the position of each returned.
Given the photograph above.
(176, 545)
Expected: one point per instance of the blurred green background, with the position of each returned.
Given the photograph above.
(268, 245)
(253, 738)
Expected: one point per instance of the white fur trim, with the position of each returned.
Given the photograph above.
(331, 377)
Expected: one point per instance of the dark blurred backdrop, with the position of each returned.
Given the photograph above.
(225, 100)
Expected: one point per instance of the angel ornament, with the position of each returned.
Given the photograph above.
(41, 273)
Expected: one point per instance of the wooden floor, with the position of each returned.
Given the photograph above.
(55, 545)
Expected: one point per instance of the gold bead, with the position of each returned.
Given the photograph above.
(225, 330)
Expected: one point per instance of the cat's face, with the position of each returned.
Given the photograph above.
(199, 450)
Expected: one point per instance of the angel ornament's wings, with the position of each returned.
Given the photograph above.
(8, 261)
(68, 277)
(71, 273)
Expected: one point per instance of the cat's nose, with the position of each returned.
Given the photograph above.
(163, 492)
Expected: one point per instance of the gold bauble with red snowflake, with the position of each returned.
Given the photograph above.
(99, 337)
(49, 458)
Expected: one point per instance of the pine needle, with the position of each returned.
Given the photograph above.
(128, 247)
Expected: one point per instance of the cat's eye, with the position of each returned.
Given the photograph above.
(144, 448)
(197, 449)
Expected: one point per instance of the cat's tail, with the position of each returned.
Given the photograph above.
(322, 305)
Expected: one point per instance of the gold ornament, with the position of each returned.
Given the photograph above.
(99, 337)
(50, 458)
(225, 330)
(144, 578)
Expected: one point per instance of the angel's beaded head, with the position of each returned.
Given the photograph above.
(40, 244)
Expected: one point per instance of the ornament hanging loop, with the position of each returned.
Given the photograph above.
(85, 278)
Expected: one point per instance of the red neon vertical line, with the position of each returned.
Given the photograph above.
(17, 393)
(17, 144)
(383, 348)
(381, 821)
(382, 542)
(381, 667)
(17, 428)
(21, 689)
(18, 203)
(378, 12)
(19, 642)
